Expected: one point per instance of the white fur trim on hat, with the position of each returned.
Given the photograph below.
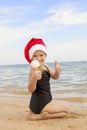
(35, 48)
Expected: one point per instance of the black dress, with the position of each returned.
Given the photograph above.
(42, 95)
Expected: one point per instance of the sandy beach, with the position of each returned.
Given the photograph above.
(13, 116)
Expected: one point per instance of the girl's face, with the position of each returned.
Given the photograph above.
(40, 56)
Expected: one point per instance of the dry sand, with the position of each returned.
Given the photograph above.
(13, 116)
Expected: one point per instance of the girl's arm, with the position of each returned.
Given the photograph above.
(33, 77)
(54, 73)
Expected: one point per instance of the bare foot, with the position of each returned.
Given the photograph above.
(35, 116)
(41, 116)
(44, 115)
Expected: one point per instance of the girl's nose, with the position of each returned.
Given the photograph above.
(39, 58)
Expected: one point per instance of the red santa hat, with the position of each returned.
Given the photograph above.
(33, 45)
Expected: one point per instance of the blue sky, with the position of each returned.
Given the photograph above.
(62, 24)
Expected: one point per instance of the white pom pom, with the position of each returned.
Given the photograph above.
(35, 64)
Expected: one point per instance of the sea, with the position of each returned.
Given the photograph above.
(71, 83)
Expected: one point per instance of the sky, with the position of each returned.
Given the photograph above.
(62, 24)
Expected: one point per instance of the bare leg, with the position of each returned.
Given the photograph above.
(51, 110)
(55, 115)
(55, 110)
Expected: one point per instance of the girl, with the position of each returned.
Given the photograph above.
(41, 104)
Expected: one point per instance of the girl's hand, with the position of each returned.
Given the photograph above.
(57, 67)
(36, 74)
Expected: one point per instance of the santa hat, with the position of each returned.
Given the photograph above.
(33, 45)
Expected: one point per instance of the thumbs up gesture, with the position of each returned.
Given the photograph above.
(57, 67)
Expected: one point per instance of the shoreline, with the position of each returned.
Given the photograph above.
(70, 101)
(14, 111)
(26, 96)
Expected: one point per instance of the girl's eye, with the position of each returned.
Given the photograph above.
(34, 56)
(41, 55)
